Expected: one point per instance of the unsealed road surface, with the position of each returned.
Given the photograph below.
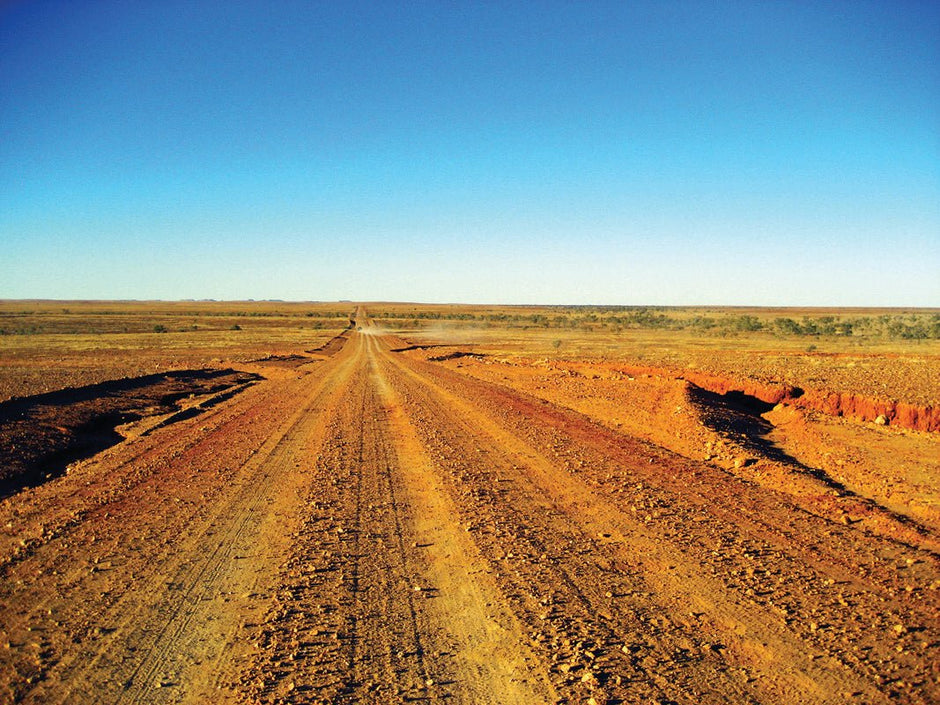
(373, 527)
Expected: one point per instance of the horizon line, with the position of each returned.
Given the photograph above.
(364, 302)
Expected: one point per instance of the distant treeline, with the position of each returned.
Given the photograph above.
(913, 326)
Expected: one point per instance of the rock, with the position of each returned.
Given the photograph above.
(881, 420)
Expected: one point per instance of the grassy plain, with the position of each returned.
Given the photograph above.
(49, 345)
(886, 353)
(891, 354)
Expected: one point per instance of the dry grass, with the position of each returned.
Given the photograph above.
(49, 345)
(876, 360)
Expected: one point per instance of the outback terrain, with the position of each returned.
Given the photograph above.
(342, 503)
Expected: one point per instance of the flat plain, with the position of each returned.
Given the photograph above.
(260, 502)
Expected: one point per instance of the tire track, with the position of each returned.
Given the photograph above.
(491, 659)
(563, 591)
(137, 461)
(788, 640)
(360, 601)
(157, 621)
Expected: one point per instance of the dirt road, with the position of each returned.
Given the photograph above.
(374, 527)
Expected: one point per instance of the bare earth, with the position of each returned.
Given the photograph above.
(372, 523)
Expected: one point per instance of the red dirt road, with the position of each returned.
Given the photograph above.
(375, 527)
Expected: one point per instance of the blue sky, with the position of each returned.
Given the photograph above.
(769, 153)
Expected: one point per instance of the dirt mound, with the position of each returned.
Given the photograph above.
(855, 406)
(455, 355)
(40, 435)
(331, 347)
(283, 360)
(407, 348)
(834, 465)
(849, 405)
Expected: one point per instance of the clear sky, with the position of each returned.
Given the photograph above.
(721, 152)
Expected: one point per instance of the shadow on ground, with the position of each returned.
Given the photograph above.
(41, 435)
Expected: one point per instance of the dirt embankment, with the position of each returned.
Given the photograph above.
(40, 435)
(834, 465)
(333, 345)
(901, 414)
(844, 404)
(848, 405)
